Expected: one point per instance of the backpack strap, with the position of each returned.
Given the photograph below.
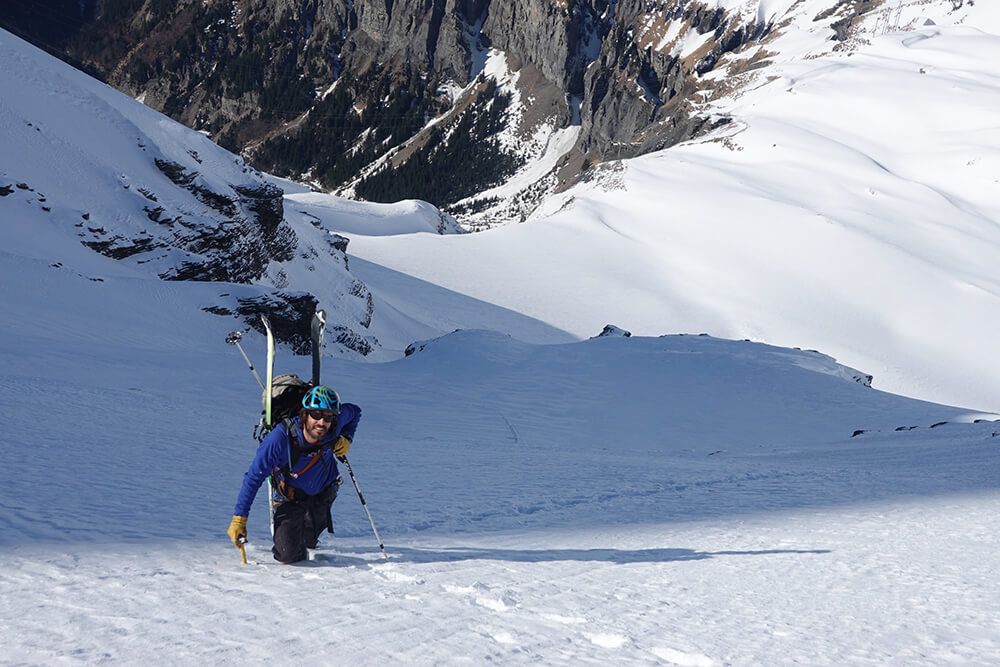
(295, 450)
(294, 447)
(278, 475)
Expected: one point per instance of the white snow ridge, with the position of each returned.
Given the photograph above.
(546, 495)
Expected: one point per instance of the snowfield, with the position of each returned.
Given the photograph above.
(676, 500)
(851, 206)
(545, 497)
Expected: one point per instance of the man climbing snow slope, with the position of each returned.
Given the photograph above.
(300, 455)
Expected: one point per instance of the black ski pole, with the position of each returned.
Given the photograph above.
(234, 339)
(361, 497)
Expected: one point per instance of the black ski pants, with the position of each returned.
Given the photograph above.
(299, 523)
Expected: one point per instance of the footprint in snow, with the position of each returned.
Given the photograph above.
(565, 620)
(477, 591)
(682, 658)
(458, 590)
(388, 571)
(504, 602)
(503, 637)
(606, 639)
(489, 603)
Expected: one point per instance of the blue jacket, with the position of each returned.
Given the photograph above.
(273, 454)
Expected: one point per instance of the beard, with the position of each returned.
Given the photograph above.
(314, 430)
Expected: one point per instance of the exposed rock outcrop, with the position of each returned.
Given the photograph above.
(236, 245)
(290, 315)
(612, 331)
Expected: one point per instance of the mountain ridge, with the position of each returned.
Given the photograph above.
(327, 91)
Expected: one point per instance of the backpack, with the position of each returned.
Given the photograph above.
(286, 398)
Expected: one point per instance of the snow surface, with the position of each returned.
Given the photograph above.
(684, 499)
(851, 206)
(345, 215)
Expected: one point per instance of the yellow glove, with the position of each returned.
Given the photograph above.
(237, 530)
(341, 447)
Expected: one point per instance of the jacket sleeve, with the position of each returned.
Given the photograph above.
(353, 414)
(271, 454)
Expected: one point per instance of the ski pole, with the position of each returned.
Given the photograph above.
(234, 339)
(361, 497)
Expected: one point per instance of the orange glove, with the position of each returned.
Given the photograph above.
(341, 447)
(237, 531)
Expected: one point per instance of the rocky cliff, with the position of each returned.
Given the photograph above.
(478, 106)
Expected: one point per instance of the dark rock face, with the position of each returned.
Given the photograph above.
(234, 239)
(339, 242)
(121, 248)
(849, 11)
(421, 345)
(637, 97)
(341, 91)
(236, 245)
(610, 330)
(290, 315)
(352, 340)
(542, 37)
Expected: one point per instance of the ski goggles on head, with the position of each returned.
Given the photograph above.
(326, 415)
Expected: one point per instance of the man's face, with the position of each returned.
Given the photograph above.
(317, 423)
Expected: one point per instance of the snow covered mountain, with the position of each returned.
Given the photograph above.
(482, 108)
(677, 500)
(545, 497)
(87, 162)
(850, 205)
(674, 500)
(847, 205)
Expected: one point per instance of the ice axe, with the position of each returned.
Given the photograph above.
(242, 545)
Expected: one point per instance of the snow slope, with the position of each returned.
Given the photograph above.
(84, 164)
(683, 500)
(675, 500)
(406, 217)
(850, 206)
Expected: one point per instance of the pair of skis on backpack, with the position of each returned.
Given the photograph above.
(317, 329)
(269, 419)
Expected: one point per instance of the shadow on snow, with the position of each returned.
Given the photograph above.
(619, 556)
